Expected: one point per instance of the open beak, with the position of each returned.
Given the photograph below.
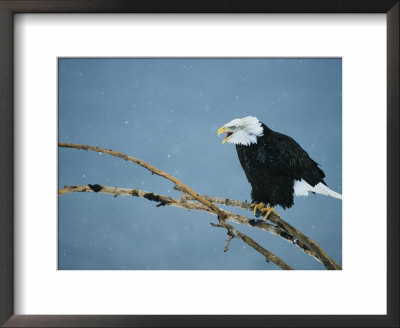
(222, 130)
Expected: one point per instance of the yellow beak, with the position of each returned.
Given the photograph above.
(222, 130)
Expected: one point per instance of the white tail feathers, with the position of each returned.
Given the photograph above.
(320, 188)
(301, 188)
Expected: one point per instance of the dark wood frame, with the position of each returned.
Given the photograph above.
(7, 10)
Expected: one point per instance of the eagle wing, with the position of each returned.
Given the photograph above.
(285, 156)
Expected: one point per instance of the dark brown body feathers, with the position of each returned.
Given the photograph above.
(273, 164)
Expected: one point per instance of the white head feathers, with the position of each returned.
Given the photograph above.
(242, 131)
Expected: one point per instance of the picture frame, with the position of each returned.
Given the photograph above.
(9, 8)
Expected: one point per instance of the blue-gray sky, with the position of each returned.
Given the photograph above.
(167, 112)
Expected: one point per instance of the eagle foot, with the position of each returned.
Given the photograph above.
(257, 208)
(262, 209)
(268, 210)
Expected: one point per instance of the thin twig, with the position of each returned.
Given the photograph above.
(228, 241)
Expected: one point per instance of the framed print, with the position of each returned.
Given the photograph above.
(151, 84)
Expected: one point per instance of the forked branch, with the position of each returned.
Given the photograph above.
(207, 203)
(294, 235)
(187, 203)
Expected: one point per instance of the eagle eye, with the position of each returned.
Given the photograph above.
(233, 127)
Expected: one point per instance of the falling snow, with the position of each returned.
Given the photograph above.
(174, 110)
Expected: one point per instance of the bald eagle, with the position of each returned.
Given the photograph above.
(275, 165)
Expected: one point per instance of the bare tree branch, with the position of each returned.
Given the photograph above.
(283, 229)
(268, 255)
(218, 200)
(153, 169)
(304, 242)
(190, 205)
(165, 200)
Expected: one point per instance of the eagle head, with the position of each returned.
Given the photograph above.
(243, 131)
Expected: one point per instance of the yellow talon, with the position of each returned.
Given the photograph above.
(258, 206)
(269, 210)
(263, 209)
